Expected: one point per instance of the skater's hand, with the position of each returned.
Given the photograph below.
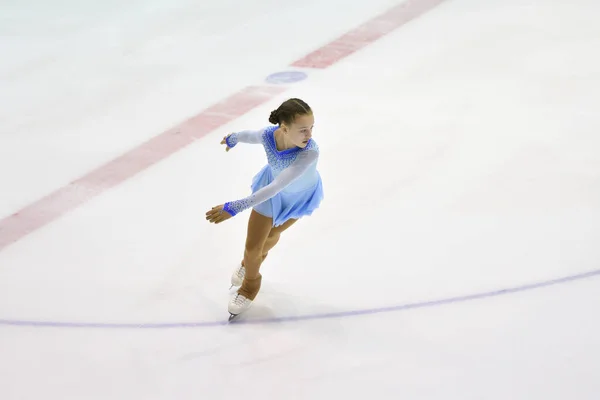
(217, 215)
(224, 141)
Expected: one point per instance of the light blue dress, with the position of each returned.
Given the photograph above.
(289, 186)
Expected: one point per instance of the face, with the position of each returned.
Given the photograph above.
(300, 132)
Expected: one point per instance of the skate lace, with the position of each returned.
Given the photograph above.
(239, 300)
(241, 272)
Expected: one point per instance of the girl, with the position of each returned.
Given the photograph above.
(286, 189)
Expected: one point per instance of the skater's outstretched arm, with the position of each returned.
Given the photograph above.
(246, 136)
(304, 160)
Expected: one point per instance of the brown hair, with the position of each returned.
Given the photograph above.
(288, 110)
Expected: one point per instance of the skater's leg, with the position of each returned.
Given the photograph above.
(265, 252)
(259, 228)
(261, 238)
(274, 236)
(271, 240)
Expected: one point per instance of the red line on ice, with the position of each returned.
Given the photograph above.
(67, 198)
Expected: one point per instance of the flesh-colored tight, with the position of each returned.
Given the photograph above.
(261, 237)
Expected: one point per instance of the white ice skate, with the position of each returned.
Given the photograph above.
(237, 305)
(238, 276)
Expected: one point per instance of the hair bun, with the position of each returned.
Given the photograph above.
(274, 117)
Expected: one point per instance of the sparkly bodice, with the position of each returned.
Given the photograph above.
(293, 169)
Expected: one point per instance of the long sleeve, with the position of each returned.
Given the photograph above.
(247, 136)
(304, 160)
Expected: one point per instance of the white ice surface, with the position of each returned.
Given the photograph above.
(460, 154)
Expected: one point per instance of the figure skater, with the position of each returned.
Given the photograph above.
(286, 189)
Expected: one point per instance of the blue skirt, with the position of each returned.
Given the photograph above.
(286, 205)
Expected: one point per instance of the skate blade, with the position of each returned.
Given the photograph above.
(232, 317)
